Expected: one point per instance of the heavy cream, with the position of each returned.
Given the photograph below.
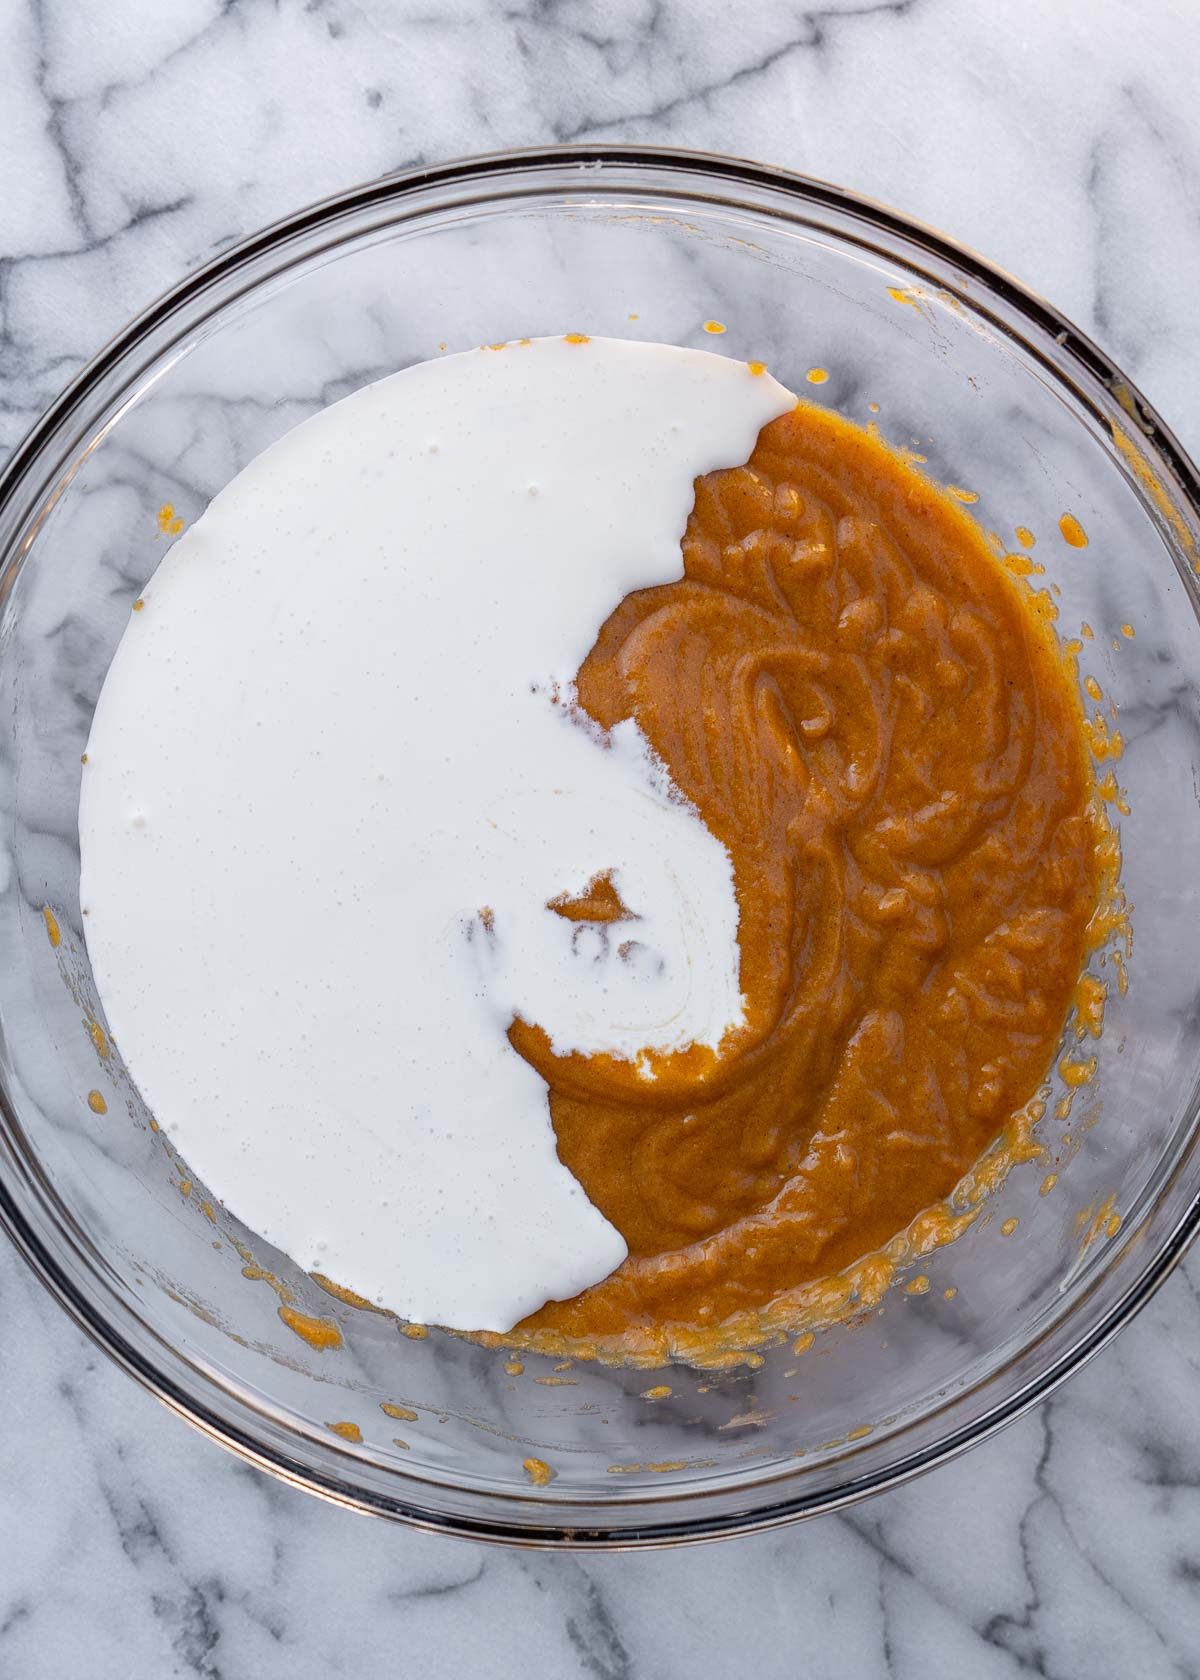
(335, 776)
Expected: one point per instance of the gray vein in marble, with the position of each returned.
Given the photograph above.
(816, 27)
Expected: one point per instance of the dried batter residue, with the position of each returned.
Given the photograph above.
(1073, 532)
(320, 1333)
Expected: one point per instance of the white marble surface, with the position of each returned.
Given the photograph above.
(1064, 142)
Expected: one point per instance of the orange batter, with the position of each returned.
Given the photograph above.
(879, 726)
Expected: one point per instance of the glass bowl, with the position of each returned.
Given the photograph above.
(954, 361)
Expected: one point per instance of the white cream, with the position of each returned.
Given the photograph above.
(328, 743)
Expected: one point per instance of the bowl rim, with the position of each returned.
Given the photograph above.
(1075, 346)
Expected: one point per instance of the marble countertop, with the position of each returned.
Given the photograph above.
(1061, 141)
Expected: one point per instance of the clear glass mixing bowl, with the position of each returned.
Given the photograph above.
(1002, 397)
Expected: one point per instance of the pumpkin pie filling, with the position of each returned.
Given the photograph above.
(879, 725)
